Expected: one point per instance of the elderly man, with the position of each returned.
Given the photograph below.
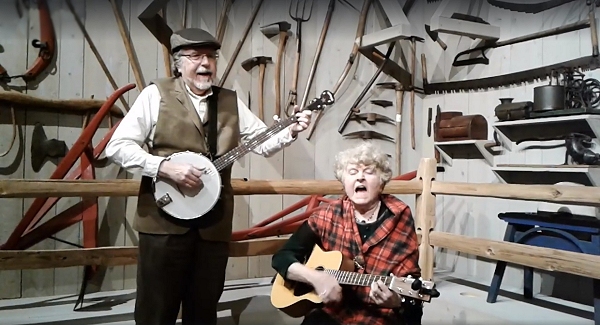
(374, 229)
(183, 263)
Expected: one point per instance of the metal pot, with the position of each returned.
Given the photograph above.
(548, 98)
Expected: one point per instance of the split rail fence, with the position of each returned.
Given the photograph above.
(424, 186)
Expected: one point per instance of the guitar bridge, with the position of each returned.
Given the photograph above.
(164, 200)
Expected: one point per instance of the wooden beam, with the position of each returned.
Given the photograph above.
(464, 28)
(537, 257)
(21, 188)
(575, 195)
(393, 12)
(112, 256)
(386, 36)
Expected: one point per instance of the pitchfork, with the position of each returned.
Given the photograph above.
(300, 15)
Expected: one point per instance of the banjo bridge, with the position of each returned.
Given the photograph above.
(164, 200)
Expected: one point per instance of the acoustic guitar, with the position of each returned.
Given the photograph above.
(296, 299)
(185, 204)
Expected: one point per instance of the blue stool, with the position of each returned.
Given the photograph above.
(567, 232)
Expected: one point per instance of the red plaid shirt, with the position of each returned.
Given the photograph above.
(393, 248)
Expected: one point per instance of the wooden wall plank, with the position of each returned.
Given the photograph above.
(105, 34)
(70, 60)
(41, 282)
(79, 75)
(15, 44)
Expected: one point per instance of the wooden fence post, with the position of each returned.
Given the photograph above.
(425, 216)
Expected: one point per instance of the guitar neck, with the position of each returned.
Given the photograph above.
(235, 154)
(358, 279)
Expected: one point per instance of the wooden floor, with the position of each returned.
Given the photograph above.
(458, 304)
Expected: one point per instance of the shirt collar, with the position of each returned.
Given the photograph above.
(194, 96)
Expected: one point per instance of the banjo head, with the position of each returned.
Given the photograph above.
(184, 203)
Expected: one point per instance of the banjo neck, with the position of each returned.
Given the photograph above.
(241, 150)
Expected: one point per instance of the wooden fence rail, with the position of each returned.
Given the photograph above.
(425, 187)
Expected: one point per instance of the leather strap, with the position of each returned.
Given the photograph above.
(211, 140)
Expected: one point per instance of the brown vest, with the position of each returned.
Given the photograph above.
(179, 128)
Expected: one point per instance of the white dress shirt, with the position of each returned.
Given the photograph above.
(125, 147)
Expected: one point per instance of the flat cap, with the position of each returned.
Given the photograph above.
(193, 37)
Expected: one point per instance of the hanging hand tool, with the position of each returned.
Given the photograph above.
(300, 17)
(413, 62)
(397, 87)
(492, 45)
(46, 44)
(354, 108)
(126, 37)
(222, 22)
(321, 41)
(372, 118)
(238, 47)
(281, 28)
(435, 36)
(381, 102)
(92, 46)
(360, 31)
(368, 134)
(261, 61)
(42, 147)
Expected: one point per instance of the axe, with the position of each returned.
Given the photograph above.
(261, 61)
(435, 37)
(282, 29)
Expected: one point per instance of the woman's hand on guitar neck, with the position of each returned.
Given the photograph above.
(183, 174)
(327, 287)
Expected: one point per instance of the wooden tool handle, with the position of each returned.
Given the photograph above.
(424, 69)
(399, 104)
(283, 35)
(412, 94)
(593, 30)
(261, 76)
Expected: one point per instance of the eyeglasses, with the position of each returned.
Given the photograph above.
(198, 57)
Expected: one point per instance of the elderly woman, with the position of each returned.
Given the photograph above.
(375, 230)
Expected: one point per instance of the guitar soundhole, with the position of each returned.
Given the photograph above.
(301, 288)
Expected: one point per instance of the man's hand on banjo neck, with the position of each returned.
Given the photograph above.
(184, 175)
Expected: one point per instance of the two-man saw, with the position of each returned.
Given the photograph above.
(586, 63)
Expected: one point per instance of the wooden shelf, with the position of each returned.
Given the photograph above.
(510, 132)
(466, 149)
(548, 174)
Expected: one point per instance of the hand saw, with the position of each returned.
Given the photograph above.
(586, 63)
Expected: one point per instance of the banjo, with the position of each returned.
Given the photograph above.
(188, 204)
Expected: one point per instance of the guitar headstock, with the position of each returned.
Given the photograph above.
(317, 104)
(413, 288)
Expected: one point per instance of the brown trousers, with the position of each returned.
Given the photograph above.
(176, 270)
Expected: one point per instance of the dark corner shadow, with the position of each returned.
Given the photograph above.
(519, 297)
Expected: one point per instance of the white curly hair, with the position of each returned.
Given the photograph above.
(366, 154)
